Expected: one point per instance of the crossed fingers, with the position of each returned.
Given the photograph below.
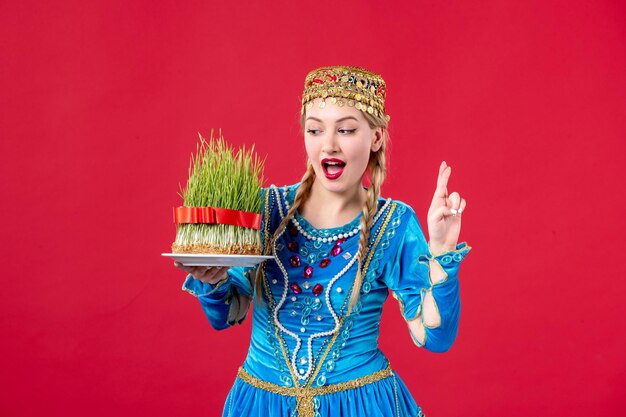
(451, 204)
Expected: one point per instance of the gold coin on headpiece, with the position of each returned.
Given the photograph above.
(340, 103)
(309, 105)
(372, 89)
(370, 110)
(333, 100)
(351, 103)
(345, 78)
(322, 104)
(358, 97)
(324, 93)
(387, 117)
(358, 106)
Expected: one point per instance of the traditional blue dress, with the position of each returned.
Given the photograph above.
(308, 357)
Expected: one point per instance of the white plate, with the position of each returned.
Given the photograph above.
(207, 259)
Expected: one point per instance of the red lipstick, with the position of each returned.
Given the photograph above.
(333, 167)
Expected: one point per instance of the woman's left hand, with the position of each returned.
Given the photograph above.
(444, 215)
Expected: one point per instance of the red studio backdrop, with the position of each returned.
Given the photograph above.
(101, 104)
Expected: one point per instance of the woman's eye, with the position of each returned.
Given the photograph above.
(312, 131)
(347, 131)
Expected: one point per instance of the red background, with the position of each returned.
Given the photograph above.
(100, 106)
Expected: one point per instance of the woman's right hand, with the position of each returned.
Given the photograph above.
(208, 274)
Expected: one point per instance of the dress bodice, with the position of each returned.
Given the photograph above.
(308, 331)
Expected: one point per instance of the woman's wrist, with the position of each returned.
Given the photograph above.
(436, 249)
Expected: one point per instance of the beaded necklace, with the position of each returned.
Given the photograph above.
(324, 239)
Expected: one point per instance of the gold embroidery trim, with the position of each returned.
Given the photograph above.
(305, 395)
(383, 228)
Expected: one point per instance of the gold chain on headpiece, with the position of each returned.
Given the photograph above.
(345, 85)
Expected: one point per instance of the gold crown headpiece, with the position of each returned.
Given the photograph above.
(346, 86)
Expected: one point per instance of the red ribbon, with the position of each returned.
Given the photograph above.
(213, 215)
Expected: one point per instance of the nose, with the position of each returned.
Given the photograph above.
(330, 144)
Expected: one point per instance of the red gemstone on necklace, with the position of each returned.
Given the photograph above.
(293, 246)
(295, 288)
(340, 240)
(336, 250)
(294, 261)
(317, 289)
(324, 262)
(308, 271)
(293, 230)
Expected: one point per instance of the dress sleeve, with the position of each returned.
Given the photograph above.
(222, 302)
(408, 277)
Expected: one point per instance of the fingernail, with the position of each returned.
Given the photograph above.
(453, 211)
(460, 210)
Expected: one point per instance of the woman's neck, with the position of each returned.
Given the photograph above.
(326, 209)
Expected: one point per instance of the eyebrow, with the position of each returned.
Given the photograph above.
(337, 121)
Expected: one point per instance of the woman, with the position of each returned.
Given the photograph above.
(338, 247)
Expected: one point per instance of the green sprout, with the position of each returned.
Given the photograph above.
(222, 177)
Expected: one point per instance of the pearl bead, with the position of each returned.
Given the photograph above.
(294, 298)
(302, 329)
(339, 290)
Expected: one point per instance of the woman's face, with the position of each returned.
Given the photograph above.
(338, 142)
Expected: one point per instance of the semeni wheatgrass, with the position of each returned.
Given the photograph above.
(221, 177)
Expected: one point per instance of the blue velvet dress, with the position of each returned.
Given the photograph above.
(308, 357)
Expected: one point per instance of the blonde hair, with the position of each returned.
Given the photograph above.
(377, 170)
